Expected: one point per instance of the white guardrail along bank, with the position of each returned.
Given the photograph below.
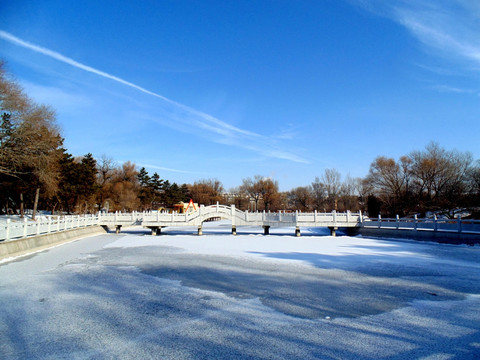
(155, 221)
(22, 228)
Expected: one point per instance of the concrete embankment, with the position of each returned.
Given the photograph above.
(35, 243)
(423, 235)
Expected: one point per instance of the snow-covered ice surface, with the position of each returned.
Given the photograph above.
(250, 296)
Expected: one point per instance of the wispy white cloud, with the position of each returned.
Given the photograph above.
(442, 31)
(162, 168)
(453, 89)
(50, 94)
(449, 27)
(443, 71)
(55, 55)
(291, 132)
(220, 131)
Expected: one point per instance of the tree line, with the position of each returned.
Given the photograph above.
(36, 171)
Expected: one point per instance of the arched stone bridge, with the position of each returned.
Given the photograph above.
(158, 220)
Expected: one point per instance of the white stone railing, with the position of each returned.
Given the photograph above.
(242, 218)
(12, 229)
(434, 224)
(120, 218)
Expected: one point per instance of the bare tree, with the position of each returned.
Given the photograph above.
(473, 181)
(207, 192)
(433, 180)
(29, 142)
(364, 189)
(300, 198)
(123, 188)
(262, 188)
(348, 199)
(319, 195)
(249, 187)
(331, 180)
(441, 178)
(268, 189)
(388, 181)
(106, 169)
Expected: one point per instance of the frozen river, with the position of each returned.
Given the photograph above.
(250, 296)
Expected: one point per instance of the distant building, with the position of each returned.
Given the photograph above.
(241, 201)
(182, 208)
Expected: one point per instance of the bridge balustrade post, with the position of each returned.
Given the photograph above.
(459, 223)
(246, 215)
(348, 216)
(334, 214)
(156, 230)
(415, 222)
(315, 216)
(333, 230)
(7, 231)
(49, 225)
(397, 218)
(435, 225)
(266, 230)
(217, 207)
(25, 226)
(379, 221)
(233, 215)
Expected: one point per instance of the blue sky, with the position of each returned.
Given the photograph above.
(231, 89)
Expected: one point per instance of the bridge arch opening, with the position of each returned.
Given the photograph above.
(214, 219)
(217, 225)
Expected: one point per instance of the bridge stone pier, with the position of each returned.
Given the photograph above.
(158, 220)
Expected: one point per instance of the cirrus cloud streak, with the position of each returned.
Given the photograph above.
(222, 132)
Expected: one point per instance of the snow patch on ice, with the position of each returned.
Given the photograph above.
(266, 247)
